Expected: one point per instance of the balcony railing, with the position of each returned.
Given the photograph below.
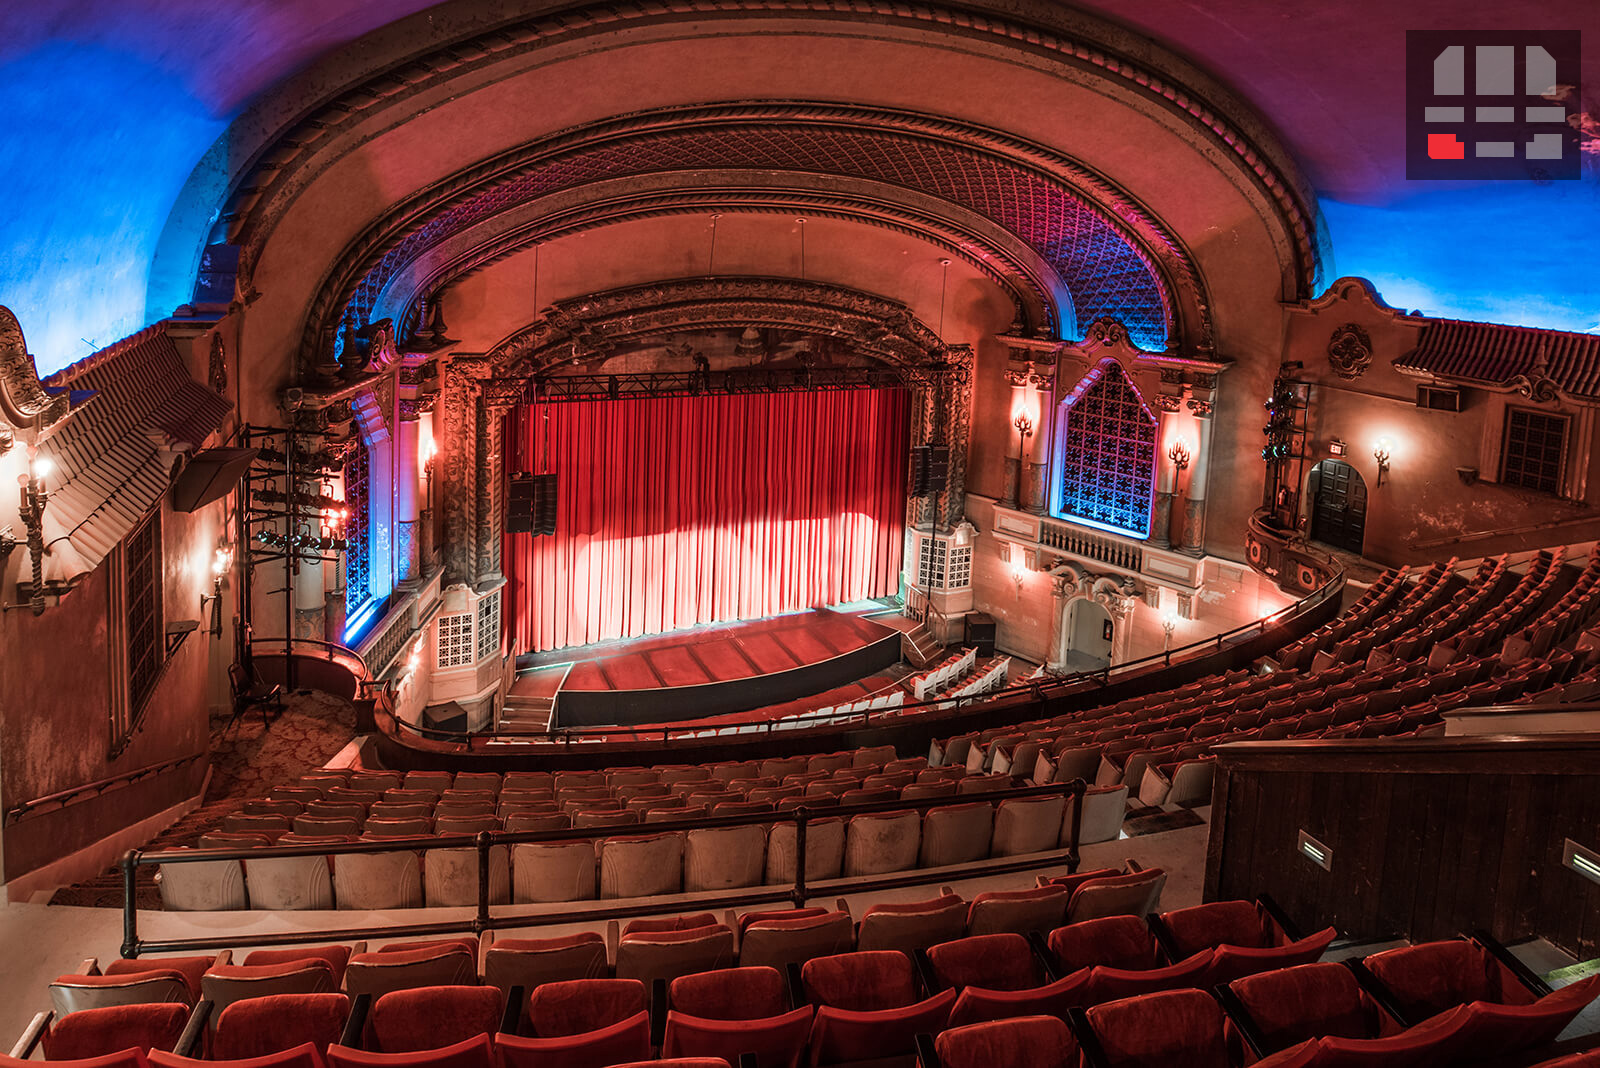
(1107, 549)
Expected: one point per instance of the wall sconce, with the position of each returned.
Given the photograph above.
(34, 498)
(1179, 454)
(1381, 453)
(1169, 623)
(221, 561)
(1018, 569)
(1024, 425)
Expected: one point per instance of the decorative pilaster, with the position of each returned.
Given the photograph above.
(1194, 505)
(457, 463)
(1167, 474)
(957, 398)
(407, 551)
(1029, 373)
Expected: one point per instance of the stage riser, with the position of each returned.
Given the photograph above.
(676, 704)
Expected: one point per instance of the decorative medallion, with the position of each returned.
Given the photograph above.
(1350, 351)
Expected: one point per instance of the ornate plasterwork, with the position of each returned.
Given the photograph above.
(24, 403)
(1064, 211)
(1350, 351)
(285, 161)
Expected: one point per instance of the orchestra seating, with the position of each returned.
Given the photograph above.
(1228, 983)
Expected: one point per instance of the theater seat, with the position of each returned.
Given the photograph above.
(403, 969)
(406, 1021)
(1425, 1045)
(1246, 935)
(74, 993)
(450, 877)
(336, 957)
(263, 1027)
(528, 962)
(1104, 808)
(994, 962)
(1165, 1030)
(1038, 909)
(305, 1055)
(552, 871)
(977, 1005)
(912, 925)
(1135, 894)
(472, 1053)
(583, 1006)
(1279, 1009)
(651, 955)
(956, 834)
(1027, 825)
(223, 985)
(724, 858)
(641, 865)
(777, 1041)
(824, 850)
(1112, 941)
(378, 881)
(868, 1007)
(1429, 978)
(191, 968)
(624, 1041)
(882, 842)
(779, 941)
(283, 884)
(205, 886)
(1025, 1042)
(93, 1033)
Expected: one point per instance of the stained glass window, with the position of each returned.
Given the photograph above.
(357, 554)
(1105, 454)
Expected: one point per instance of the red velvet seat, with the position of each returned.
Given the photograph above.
(1424, 1046)
(1292, 1005)
(1426, 979)
(1113, 984)
(99, 1032)
(679, 1062)
(336, 956)
(731, 994)
(778, 1041)
(1041, 908)
(128, 1058)
(306, 1055)
(405, 1021)
(1492, 1031)
(626, 1040)
(191, 968)
(977, 1005)
(994, 962)
(74, 993)
(1113, 941)
(1165, 1030)
(263, 1027)
(475, 1052)
(579, 1006)
(670, 923)
(1246, 937)
(869, 1007)
(1025, 1042)
(913, 924)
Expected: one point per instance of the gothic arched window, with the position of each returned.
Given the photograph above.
(357, 556)
(1105, 454)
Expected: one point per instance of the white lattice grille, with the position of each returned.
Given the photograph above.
(489, 625)
(455, 640)
(959, 574)
(931, 564)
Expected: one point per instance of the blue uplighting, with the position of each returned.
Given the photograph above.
(95, 145)
(1505, 252)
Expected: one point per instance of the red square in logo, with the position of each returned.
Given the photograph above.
(1445, 146)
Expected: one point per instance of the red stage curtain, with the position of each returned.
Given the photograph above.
(677, 511)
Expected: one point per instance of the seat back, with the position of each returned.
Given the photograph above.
(289, 883)
(575, 1007)
(206, 886)
(529, 962)
(651, 955)
(379, 973)
(378, 881)
(781, 942)
(223, 985)
(1134, 894)
(882, 842)
(723, 858)
(912, 926)
(1025, 1042)
(74, 993)
(824, 850)
(641, 865)
(1027, 825)
(956, 834)
(450, 877)
(1039, 909)
(425, 1018)
(552, 871)
(1173, 1027)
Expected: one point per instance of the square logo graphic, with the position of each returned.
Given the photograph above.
(1493, 105)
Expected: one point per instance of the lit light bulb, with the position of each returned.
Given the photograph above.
(42, 467)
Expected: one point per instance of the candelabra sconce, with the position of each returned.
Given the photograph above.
(1024, 427)
(1169, 623)
(1018, 570)
(1179, 455)
(34, 499)
(221, 562)
(1381, 453)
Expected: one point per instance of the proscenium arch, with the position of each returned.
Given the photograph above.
(1115, 257)
(478, 388)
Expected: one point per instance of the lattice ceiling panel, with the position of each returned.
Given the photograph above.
(1105, 272)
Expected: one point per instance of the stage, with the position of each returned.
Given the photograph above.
(711, 670)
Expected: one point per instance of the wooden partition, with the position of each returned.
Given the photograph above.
(1424, 838)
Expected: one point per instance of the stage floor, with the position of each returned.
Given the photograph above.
(801, 653)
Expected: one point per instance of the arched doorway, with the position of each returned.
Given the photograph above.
(1086, 636)
(1338, 496)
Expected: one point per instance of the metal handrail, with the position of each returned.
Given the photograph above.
(333, 650)
(98, 786)
(1038, 689)
(484, 842)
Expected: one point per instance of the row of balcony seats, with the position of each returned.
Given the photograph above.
(629, 866)
(1130, 994)
(942, 675)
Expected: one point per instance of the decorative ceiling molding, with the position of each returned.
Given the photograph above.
(570, 332)
(283, 161)
(1038, 293)
(24, 402)
(1116, 257)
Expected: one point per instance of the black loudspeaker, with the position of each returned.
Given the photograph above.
(519, 504)
(930, 469)
(544, 504)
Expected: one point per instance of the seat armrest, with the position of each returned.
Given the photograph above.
(748, 1060)
(1242, 1020)
(613, 937)
(193, 1031)
(512, 1016)
(658, 1011)
(1525, 975)
(1291, 930)
(90, 966)
(922, 968)
(1133, 865)
(224, 958)
(28, 1041)
(1042, 954)
(361, 946)
(1378, 992)
(927, 1056)
(1094, 1054)
(797, 986)
(1164, 937)
(357, 1023)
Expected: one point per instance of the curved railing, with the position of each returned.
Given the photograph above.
(325, 652)
(1033, 690)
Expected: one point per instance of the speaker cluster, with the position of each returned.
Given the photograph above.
(930, 469)
(531, 504)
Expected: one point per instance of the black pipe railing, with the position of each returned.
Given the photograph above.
(485, 918)
(1039, 689)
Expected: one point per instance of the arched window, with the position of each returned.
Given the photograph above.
(1105, 454)
(357, 554)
